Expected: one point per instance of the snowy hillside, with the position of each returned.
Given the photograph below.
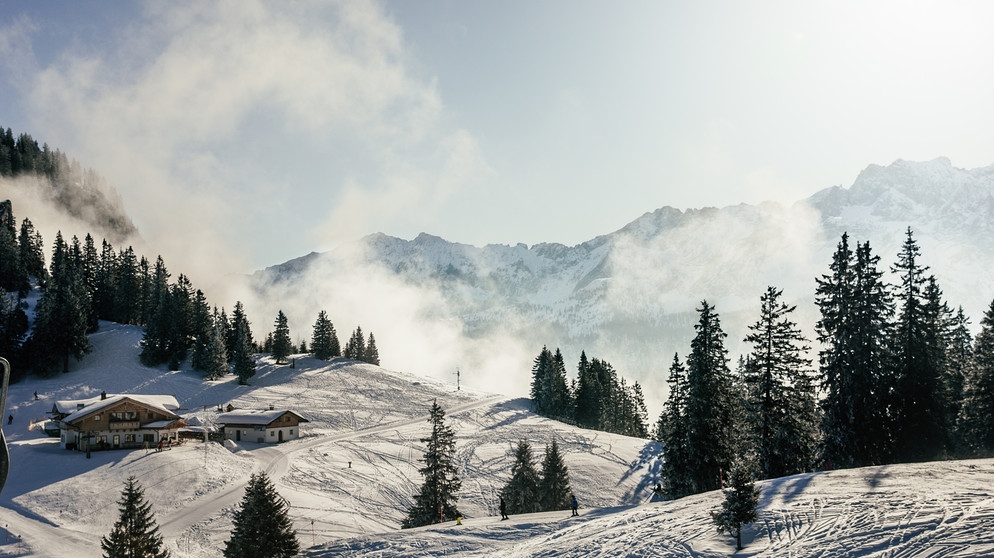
(629, 297)
(353, 473)
(350, 477)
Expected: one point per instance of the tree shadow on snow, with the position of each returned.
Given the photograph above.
(650, 465)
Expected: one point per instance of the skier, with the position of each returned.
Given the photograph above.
(574, 504)
(10, 419)
(503, 509)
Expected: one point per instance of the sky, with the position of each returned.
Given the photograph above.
(241, 134)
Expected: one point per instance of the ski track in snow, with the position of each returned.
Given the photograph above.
(352, 475)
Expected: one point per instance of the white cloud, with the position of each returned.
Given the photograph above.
(221, 123)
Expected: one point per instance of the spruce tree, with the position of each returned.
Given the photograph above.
(355, 349)
(372, 354)
(957, 371)
(740, 505)
(672, 432)
(521, 493)
(61, 316)
(918, 346)
(779, 391)
(135, 534)
(281, 339)
(589, 394)
(240, 349)
(856, 308)
(216, 354)
(977, 415)
(321, 337)
(710, 404)
(437, 498)
(261, 526)
(540, 387)
(553, 488)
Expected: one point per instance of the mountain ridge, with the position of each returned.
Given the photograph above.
(629, 296)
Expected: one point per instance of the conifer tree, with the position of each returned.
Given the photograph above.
(216, 354)
(127, 283)
(588, 394)
(740, 505)
(521, 493)
(977, 414)
(372, 354)
(239, 344)
(321, 337)
(918, 345)
(779, 391)
(261, 526)
(13, 326)
(541, 372)
(710, 404)
(135, 534)
(239, 332)
(437, 498)
(856, 308)
(32, 251)
(61, 317)
(355, 349)
(281, 339)
(959, 354)
(672, 432)
(553, 488)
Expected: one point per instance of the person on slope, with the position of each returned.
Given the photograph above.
(573, 504)
(503, 509)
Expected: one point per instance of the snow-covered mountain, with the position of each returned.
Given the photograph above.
(629, 296)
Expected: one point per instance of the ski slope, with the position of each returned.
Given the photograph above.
(351, 476)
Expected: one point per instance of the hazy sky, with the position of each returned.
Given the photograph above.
(286, 127)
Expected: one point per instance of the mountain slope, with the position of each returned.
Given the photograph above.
(629, 296)
(353, 473)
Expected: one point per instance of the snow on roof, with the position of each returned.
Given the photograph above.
(255, 417)
(160, 402)
(167, 402)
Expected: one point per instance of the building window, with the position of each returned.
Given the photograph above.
(291, 432)
(96, 417)
(272, 432)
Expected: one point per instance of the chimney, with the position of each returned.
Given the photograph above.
(271, 407)
(103, 395)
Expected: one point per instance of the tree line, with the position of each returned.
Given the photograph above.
(76, 190)
(598, 398)
(898, 379)
(84, 285)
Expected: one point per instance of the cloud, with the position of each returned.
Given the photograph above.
(239, 131)
(415, 327)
